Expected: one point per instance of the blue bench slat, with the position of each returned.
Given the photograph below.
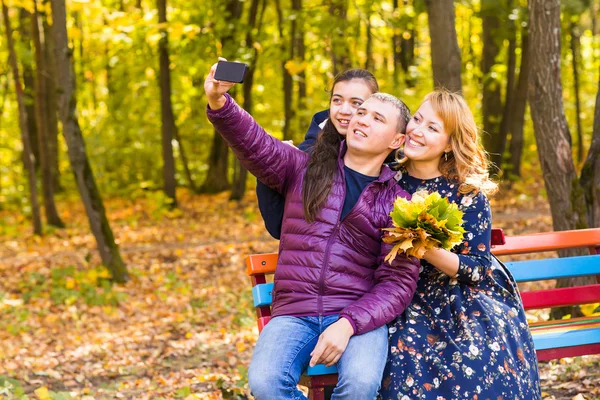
(553, 340)
(554, 268)
(262, 294)
(321, 369)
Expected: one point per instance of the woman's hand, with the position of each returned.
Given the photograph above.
(215, 89)
(444, 260)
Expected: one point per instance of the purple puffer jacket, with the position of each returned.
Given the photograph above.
(329, 266)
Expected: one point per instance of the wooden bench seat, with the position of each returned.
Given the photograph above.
(552, 339)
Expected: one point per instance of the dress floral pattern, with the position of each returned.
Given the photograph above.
(464, 337)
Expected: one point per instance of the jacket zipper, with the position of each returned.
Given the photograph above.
(329, 243)
(326, 263)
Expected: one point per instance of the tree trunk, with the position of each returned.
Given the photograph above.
(43, 133)
(590, 173)
(565, 195)
(340, 53)
(51, 110)
(493, 140)
(28, 155)
(407, 46)
(396, 42)
(184, 162)
(517, 121)
(547, 112)
(510, 88)
(445, 54)
(29, 84)
(575, 65)
(166, 108)
(254, 23)
(594, 9)
(109, 251)
(369, 63)
(287, 77)
(300, 52)
(216, 178)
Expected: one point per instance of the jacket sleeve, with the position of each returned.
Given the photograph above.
(474, 254)
(395, 285)
(266, 157)
(271, 205)
(310, 139)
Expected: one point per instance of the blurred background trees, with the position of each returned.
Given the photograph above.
(138, 69)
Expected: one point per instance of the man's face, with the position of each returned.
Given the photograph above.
(374, 128)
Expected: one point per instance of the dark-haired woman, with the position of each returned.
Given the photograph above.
(349, 90)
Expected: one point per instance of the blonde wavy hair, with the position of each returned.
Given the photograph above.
(467, 163)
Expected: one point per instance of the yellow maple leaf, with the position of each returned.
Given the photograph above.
(42, 393)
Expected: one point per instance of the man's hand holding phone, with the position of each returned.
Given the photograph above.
(215, 88)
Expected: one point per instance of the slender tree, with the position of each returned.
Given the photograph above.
(590, 173)
(575, 43)
(493, 138)
(338, 48)
(84, 177)
(43, 132)
(216, 177)
(28, 157)
(24, 29)
(288, 84)
(166, 107)
(510, 87)
(300, 53)
(255, 18)
(517, 121)
(445, 54)
(51, 109)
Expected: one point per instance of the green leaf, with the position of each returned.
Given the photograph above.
(183, 392)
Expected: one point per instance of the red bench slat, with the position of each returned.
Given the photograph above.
(561, 297)
(549, 241)
(562, 352)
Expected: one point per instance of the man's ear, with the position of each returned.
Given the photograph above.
(398, 141)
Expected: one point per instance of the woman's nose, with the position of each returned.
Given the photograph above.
(346, 109)
(417, 131)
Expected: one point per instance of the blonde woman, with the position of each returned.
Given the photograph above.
(464, 336)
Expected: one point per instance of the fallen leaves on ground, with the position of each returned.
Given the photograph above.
(183, 326)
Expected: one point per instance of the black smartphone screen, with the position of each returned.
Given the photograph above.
(230, 71)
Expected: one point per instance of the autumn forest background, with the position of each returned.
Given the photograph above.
(124, 220)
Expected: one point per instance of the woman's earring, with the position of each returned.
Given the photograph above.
(446, 156)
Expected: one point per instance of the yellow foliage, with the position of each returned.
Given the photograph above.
(42, 393)
(295, 68)
(70, 283)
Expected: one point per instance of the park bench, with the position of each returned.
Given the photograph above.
(553, 339)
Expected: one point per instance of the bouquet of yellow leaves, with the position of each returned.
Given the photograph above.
(424, 222)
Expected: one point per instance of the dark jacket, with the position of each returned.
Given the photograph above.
(270, 202)
(329, 266)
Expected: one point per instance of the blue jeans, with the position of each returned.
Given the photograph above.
(283, 350)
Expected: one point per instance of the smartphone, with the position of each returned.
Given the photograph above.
(230, 71)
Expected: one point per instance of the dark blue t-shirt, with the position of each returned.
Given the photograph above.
(355, 184)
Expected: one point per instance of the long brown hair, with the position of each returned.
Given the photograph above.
(467, 162)
(322, 165)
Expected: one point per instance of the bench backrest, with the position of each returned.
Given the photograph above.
(580, 337)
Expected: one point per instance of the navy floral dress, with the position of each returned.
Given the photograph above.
(464, 337)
